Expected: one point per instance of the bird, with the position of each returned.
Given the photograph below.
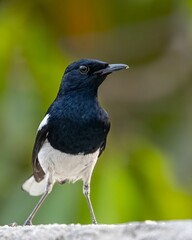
(72, 134)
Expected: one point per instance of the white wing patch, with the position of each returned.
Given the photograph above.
(43, 122)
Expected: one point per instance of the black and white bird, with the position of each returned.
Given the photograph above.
(72, 134)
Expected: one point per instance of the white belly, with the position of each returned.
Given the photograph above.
(61, 166)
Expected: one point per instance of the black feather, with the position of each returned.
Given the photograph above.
(39, 141)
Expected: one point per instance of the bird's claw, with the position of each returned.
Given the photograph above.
(14, 224)
(28, 223)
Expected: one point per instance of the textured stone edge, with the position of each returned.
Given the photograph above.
(148, 230)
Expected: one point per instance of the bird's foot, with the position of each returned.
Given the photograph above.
(94, 221)
(14, 224)
(28, 223)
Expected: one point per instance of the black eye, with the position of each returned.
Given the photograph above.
(84, 69)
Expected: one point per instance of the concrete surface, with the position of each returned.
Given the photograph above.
(149, 230)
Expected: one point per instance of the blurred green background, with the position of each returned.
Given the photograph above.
(145, 171)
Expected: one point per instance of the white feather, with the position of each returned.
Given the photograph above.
(43, 122)
(60, 167)
(34, 188)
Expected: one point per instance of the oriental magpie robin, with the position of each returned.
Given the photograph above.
(72, 134)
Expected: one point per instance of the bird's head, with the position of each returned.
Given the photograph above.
(87, 74)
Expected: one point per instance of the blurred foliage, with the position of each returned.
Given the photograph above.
(145, 172)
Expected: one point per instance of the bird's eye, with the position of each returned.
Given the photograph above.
(84, 69)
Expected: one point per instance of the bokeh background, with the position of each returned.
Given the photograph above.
(145, 172)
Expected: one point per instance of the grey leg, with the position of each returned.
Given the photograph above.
(36, 208)
(86, 192)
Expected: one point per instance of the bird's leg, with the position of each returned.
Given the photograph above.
(36, 208)
(86, 192)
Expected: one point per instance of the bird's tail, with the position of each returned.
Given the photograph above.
(33, 187)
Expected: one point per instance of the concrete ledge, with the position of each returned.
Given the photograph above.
(149, 230)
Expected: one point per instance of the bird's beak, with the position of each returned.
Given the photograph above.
(111, 68)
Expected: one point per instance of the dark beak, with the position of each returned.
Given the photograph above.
(111, 68)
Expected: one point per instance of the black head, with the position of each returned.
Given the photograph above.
(87, 74)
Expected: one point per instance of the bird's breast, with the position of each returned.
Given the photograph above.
(78, 135)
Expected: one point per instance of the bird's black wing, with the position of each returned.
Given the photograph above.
(40, 139)
(102, 148)
(103, 144)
